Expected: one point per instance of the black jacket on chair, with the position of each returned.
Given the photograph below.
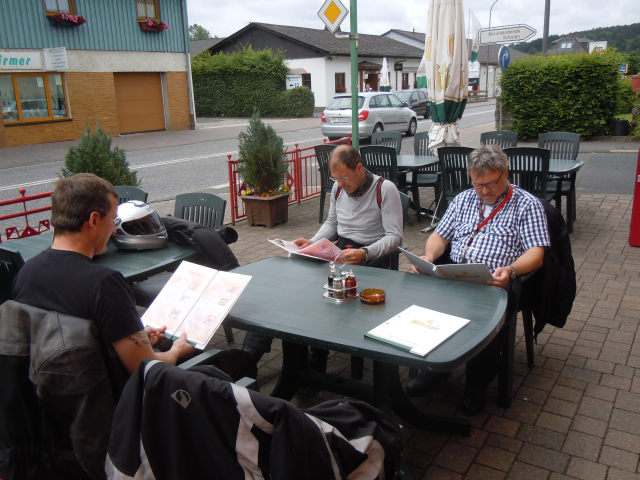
(550, 291)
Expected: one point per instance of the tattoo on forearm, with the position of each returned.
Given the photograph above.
(139, 335)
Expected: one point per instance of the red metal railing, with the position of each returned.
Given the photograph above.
(43, 225)
(303, 178)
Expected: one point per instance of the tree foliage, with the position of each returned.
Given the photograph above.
(235, 84)
(261, 153)
(197, 32)
(556, 93)
(94, 155)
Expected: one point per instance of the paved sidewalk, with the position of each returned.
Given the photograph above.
(576, 414)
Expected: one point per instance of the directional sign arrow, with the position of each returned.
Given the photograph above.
(509, 34)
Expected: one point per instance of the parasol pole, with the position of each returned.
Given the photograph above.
(355, 134)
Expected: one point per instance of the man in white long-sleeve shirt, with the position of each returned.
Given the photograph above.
(365, 217)
(365, 213)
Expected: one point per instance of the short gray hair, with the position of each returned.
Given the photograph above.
(487, 158)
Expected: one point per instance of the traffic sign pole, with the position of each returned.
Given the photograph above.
(355, 134)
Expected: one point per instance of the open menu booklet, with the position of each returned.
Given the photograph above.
(466, 272)
(417, 329)
(322, 249)
(195, 300)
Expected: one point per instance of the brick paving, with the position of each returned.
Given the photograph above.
(576, 414)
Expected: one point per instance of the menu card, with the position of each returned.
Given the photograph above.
(322, 249)
(417, 329)
(477, 273)
(195, 300)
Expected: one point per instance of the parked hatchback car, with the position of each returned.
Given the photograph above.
(377, 111)
(417, 100)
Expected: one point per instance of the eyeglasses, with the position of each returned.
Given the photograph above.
(117, 221)
(488, 185)
(341, 179)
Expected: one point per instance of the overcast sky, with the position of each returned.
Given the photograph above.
(378, 16)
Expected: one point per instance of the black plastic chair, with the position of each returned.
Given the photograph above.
(428, 177)
(323, 153)
(204, 208)
(126, 193)
(501, 138)
(383, 161)
(453, 165)
(387, 139)
(563, 145)
(10, 263)
(529, 168)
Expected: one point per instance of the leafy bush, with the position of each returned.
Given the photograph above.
(94, 155)
(625, 98)
(235, 84)
(261, 153)
(570, 93)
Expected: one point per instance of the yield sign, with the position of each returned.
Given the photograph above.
(510, 34)
(332, 14)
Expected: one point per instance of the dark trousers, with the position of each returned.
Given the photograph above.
(262, 343)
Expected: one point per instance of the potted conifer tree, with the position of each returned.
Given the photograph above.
(261, 151)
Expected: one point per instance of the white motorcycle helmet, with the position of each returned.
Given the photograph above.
(141, 227)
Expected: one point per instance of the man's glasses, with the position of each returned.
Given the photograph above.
(117, 221)
(341, 179)
(488, 185)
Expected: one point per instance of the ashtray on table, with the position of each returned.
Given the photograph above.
(372, 296)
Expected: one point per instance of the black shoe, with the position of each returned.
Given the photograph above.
(252, 362)
(425, 382)
(474, 398)
(318, 361)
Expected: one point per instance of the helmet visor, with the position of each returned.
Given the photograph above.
(147, 225)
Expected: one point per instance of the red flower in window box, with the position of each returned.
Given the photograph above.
(150, 25)
(66, 19)
(341, 89)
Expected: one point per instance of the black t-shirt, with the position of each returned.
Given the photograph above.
(69, 282)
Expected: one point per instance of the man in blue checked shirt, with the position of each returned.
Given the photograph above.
(498, 224)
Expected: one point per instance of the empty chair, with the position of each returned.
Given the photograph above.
(204, 208)
(453, 165)
(428, 177)
(563, 145)
(528, 168)
(499, 137)
(323, 153)
(126, 193)
(388, 139)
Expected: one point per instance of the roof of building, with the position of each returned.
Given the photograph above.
(198, 46)
(577, 46)
(415, 35)
(580, 39)
(326, 42)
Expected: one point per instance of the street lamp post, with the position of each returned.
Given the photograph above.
(486, 78)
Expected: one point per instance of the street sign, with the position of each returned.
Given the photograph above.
(624, 68)
(504, 57)
(510, 34)
(397, 67)
(332, 13)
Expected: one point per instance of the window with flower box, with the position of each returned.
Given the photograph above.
(405, 81)
(147, 9)
(55, 7)
(33, 97)
(340, 83)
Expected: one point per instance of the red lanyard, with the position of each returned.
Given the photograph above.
(485, 221)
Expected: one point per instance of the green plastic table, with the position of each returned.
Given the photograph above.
(134, 265)
(284, 300)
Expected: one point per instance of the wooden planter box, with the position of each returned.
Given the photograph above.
(267, 211)
(148, 28)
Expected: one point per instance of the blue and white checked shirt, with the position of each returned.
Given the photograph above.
(520, 225)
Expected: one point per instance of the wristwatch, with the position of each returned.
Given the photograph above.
(514, 274)
(366, 253)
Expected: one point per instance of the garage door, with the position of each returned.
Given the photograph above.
(139, 101)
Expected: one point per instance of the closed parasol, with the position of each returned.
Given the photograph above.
(384, 82)
(444, 70)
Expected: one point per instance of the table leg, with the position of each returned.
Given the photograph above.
(416, 195)
(291, 370)
(389, 391)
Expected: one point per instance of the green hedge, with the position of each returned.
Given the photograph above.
(566, 93)
(235, 84)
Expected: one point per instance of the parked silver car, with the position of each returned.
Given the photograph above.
(377, 111)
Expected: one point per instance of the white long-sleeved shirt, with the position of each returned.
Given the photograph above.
(362, 220)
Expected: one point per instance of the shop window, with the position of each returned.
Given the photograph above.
(147, 9)
(405, 81)
(59, 6)
(27, 98)
(340, 83)
(306, 80)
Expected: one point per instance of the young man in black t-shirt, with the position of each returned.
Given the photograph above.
(63, 278)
